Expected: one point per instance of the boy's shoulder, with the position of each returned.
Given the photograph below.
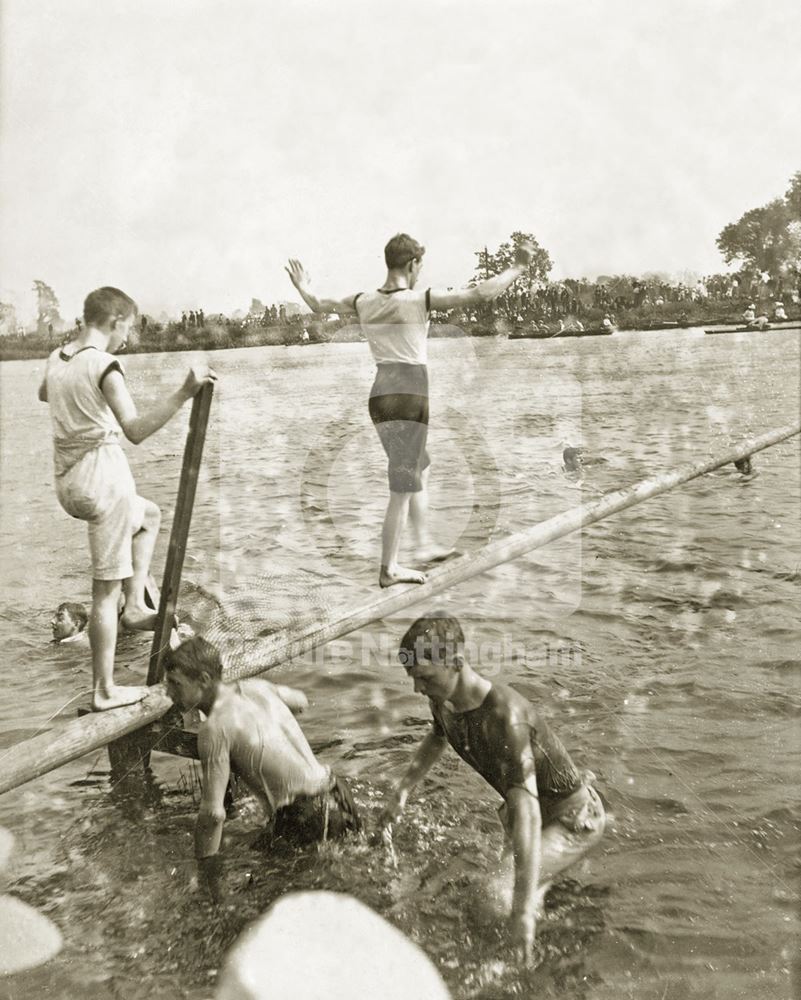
(90, 356)
(509, 705)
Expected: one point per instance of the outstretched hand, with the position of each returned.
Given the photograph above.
(524, 254)
(297, 273)
(392, 810)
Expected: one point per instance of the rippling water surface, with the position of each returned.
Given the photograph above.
(662, 642)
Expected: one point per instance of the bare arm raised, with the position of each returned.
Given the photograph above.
(300, 279)
(137, 427)
(491, 288)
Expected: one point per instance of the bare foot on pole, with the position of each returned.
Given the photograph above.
(138, 619)
(116, 696)
(390, 575)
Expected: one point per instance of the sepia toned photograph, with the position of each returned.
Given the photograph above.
(400, 500)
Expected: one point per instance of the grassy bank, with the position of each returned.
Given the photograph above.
(212, 336)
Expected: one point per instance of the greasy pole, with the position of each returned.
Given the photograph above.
(31, 758)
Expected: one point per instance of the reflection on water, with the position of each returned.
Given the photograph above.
(662, 642)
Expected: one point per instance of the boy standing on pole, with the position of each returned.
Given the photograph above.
(394, 320)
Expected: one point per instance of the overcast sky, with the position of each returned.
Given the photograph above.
(183, 149)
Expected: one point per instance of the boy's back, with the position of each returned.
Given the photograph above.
(81, 418)
(252, 725)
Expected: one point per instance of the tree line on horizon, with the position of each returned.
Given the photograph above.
(764, 241)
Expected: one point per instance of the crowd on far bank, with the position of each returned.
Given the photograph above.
(622, 301)
(633, 303)
(546, 309)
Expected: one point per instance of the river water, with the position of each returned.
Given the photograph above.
(662, 643)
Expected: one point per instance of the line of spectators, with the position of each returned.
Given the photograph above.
(574, 298)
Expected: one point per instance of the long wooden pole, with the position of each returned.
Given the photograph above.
(182, 519)
(31, 758)
(456, 571)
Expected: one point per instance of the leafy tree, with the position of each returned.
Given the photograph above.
(47, 308)
(8, 318)
(793, 196)
(497, 261)
(761, 238)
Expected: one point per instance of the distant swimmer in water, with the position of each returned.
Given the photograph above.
(69, 623)
(571, 460)
(90, 408)
(250, 726)
(744, 465)
(395, 321)
(551, 814)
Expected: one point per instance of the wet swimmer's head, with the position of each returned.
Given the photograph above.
(68, 621)
(571, 458)
(193, 673)
(744, 465)
(432, 653)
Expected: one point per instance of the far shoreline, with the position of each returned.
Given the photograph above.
(234, 335)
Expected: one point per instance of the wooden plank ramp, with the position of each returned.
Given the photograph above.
(31, 758)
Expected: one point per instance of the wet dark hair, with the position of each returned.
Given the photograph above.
(436, 637)
(194, 657)
(76, 611)
(401, 249)
(107, 303)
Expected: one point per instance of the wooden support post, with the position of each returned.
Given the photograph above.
(193, 453)
(126, 754)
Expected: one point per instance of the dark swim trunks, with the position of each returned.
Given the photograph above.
(312, 818)
(399, 409)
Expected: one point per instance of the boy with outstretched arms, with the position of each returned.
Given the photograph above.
(394, 320)
(250, 726)
(90, 406)
(551, 815)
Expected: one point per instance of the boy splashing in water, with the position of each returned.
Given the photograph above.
(89, 406)
(551, 815)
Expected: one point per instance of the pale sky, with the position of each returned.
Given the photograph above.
(183, 149)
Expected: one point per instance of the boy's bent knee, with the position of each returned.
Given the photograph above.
(151, 515)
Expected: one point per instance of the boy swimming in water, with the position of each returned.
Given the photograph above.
(89, 407)
(551, 815)
(69, 622)
(250, 727)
